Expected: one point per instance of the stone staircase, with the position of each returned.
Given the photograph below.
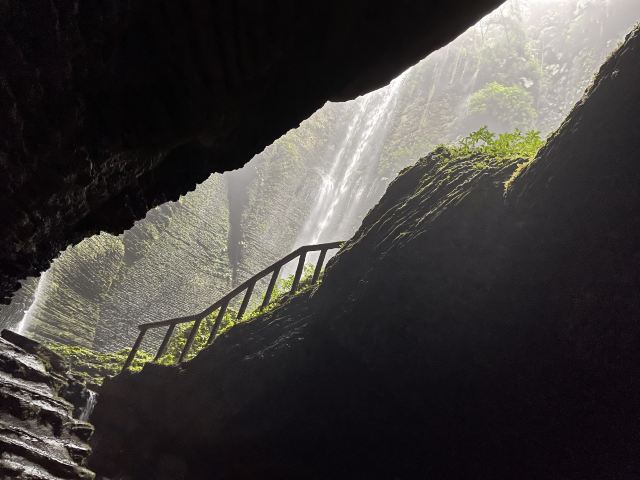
(39, 438)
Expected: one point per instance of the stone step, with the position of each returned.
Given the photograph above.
(18, 468)
(27, 403)
(75, 448)
(39, 438)
(49, 459)
(20, 364)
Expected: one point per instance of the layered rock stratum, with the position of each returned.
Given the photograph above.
(39, 437)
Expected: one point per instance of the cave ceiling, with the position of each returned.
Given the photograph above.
(111, 107)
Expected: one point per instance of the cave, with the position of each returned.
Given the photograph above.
(267, 239)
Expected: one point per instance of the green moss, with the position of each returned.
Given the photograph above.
(94, 366)
(518, 171)
(281, 293)
(481, 165)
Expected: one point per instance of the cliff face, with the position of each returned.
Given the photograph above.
(185, 253)
(96, 293)
(110, 108)
(464, 332)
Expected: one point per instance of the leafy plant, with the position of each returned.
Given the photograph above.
(497, 147)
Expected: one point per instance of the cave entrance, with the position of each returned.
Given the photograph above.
(520, 68)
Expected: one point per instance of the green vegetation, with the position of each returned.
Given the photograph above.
(497, 148)
(503, 106)
(490, 149)
(517, 172)
(182, 332)
(94, 366)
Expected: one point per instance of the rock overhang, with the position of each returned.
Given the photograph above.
(111, 108)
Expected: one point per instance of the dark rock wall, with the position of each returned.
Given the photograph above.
(110, 108)
(464, 332)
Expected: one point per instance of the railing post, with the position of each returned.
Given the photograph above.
(192, 336)
(134, 349)
(216, 325)
(245, 301)
(272, 284)
(222, 304)
(165, 342)
(316, 272)
(296, 279)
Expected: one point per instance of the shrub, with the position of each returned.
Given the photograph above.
(497, 147)
(503, 106)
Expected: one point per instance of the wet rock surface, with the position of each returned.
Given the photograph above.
(464, 332)
(39, 438)
(110, 108)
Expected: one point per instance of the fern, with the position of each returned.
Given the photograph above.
(497, 147)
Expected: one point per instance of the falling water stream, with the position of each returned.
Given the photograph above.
(90, 405)
(21, 328)
(352, 170)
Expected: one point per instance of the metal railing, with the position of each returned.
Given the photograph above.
(222, 304)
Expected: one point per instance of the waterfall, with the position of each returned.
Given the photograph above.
(90, 405)
(474, 78)
(435, 60)
(342, 190)
(456, 65)
(29, 312)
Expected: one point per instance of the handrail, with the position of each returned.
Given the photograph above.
(222, 303)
